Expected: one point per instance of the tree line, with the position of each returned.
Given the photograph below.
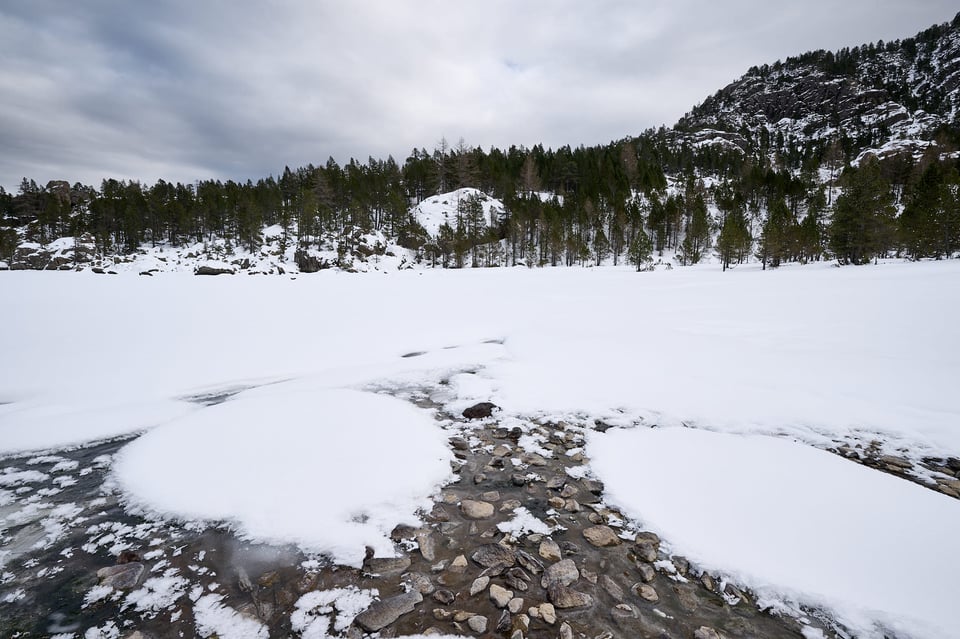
(628, 201)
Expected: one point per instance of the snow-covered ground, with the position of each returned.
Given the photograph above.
(818, 355)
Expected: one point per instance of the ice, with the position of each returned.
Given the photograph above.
(317, 612)
(214, 618)
(331, 470)
(793, 522)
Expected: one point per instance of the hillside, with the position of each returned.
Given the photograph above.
(879, 97)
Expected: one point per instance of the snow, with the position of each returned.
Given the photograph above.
(443, 208)
(214, 618)
(815, 350)
(313, 611)
(817, 354)
(331, 470)
(523, 523)
(41, 424)
(790, 520)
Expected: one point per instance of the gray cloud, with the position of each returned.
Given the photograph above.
(184, 90)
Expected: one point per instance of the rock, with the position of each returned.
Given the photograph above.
(569, 548)
(459, 443)
(308, 263)
(521, 623)
(516, 583)
(705, 632)
(612, 587)
(494, 555)
(682, 565)
(384, 612)
(505, 622)
(518, 479)
(623, 611)
(517, 634)
(477, 623)
(563, 572)
(387, 566)
(500, 596)
(550, 550)
(515, 604)
(491, 495)
(529, 562)
(213, 270)
(438, 514)
(588, 575)
(534, 459)
(479, 585)
(708, 582)
(419, 582)
(445, 597)
(462, 615)
(687, 597)
(557, 502)
(896, 462)
(648, 537)
(121, 576)
(476, 509)
(732, 592)
(428, 545)
(646, 592)
(510, 505)
(569, 491)
(566, 632)
(647, 572)
(563, 597)
(501, 450)
(601, 536)
(548, 613)
(481, 410)
(646, 551)
(556, 482)
(459, 564)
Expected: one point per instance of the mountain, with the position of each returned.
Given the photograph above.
(880, 97)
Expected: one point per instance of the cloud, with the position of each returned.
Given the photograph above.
(186, 91)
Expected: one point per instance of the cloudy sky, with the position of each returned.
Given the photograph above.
(186, 90)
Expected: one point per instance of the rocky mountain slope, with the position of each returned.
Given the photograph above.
(879, 96)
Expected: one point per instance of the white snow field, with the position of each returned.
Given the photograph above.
(793, 521)
(817, 354)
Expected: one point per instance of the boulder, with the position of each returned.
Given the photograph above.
(601, 536)
(481, 410)
(384, 612)
(213, 270)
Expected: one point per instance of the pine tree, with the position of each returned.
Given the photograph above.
(863, 223)
(640, 252)
(734, 241)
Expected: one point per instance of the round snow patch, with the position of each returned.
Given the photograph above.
(330, 470)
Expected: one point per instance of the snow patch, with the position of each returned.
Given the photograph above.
(795, 523)
(291, 463)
